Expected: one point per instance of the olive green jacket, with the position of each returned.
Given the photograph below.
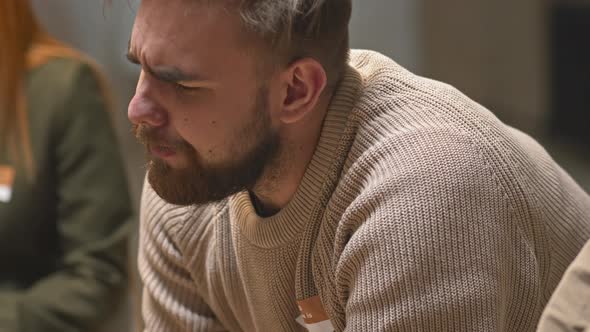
(63, 233)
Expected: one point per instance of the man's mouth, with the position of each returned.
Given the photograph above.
(162, 151)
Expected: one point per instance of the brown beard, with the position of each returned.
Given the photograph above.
(199, 183)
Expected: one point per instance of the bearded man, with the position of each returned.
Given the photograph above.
(294, 184)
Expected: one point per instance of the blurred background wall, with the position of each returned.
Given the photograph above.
(527, 60)
(391, 27)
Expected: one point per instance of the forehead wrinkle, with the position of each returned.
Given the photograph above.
(164, 34)
(146, 24)
(142, 49)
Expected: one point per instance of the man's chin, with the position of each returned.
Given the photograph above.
(171, 189)
(176, 162)
(184, 186)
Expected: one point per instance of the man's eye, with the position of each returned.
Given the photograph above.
(185, 88)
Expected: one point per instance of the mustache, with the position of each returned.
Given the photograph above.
(149, 136)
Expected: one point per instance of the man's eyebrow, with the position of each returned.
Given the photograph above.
(172, 74)
(164, 73)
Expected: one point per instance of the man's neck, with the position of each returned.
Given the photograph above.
(261, 210)
(282, 178)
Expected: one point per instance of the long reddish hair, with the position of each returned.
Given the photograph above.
(25, 45)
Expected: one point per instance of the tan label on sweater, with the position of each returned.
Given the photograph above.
(7, 174)
(312, 310)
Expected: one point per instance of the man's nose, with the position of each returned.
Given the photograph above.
(144, 109)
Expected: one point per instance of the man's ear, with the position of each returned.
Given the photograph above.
(305, 81)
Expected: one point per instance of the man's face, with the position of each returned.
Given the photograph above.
(201, 109)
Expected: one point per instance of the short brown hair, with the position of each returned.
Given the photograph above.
(294, 29)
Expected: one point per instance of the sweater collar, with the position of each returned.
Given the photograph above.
(288, 223)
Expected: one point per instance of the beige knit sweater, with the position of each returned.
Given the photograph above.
(419, 211)
(568, 309)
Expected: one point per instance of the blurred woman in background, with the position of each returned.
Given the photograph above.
(64, 203)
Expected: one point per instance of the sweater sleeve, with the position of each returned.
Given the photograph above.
(434, 245)
(93, 215)
(171, 301)
(569, 307)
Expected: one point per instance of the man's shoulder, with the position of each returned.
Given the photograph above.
(405, 122)
(392, 93)
(424, 157)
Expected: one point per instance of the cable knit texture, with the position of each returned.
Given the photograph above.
(419, 211)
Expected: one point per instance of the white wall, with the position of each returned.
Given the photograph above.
(99, 29)
(390, 27)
